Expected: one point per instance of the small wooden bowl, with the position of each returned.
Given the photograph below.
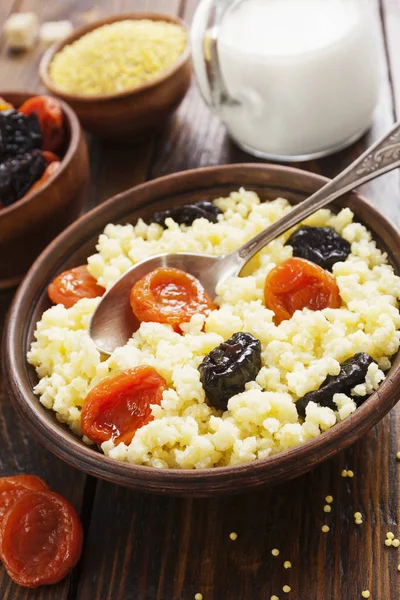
(73, 246)
(28, 225)
(133, 113)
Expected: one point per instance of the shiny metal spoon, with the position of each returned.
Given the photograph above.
(113, 322)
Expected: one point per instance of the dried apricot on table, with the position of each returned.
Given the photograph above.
(169, 296)
(119, 405)
(41, 539)
(49, 112)
(296, 284)
(73, 285)
(12, 488)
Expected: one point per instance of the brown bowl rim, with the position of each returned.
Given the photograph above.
(75, 134)
(81, 31)
(184, 482)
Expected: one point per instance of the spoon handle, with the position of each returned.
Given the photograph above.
(381, 157)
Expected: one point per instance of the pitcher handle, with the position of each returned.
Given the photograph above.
(204, 41)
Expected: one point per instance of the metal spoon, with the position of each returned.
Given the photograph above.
(113, 322)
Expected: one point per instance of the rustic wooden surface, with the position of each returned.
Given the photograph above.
(150, 548)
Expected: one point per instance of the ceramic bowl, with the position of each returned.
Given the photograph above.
(73, 246)
(133, 113)
(28, 225)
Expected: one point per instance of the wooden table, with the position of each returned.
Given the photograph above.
(140, 547)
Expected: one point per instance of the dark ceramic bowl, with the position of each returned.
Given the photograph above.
(73, 246)
(28, 225)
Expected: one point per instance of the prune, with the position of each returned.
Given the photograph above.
(18, 133)
(321, 245)
(186, 214)
(210, 208)
(352, 372)
(18, 174)
(226, 370)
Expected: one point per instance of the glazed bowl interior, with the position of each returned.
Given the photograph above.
(72, 248)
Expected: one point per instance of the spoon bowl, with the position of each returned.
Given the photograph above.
(109, 332)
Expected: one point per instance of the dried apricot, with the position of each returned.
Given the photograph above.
(41, 539)
(169, 296)
(296, 284)
(119, 405)
(15, 486)
(70, 286)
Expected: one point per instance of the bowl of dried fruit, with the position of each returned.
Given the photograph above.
(286, 366)
(130, 95)
(43, 177)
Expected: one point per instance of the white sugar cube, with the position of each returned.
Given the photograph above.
(21, 30)
(54, 31)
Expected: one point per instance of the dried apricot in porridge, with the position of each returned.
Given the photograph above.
(314, 348)
(118, 406)
(73, 285)
(169, 296)
(296, 284)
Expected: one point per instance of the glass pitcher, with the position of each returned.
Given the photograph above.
(291, 79)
